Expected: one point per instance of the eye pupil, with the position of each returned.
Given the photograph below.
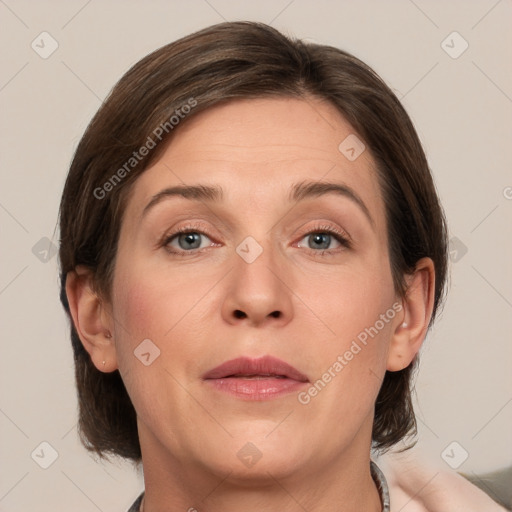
(321, 239)
(194, 239)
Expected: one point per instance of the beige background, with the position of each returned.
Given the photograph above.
(461, 107)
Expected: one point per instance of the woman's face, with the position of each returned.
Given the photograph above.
(268, 266)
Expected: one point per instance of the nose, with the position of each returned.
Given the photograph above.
(258, 292)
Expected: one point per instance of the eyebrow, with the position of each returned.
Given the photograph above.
(194, 192)
(298, 192)
(309, 189)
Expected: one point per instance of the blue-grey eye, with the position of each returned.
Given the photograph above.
(319, 240)
(189, 241)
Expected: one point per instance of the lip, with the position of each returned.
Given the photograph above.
(262, 378)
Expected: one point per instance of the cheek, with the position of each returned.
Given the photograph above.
(346, 302)
(146, 307)
(357, 310)
(161, 309)
(136, 310)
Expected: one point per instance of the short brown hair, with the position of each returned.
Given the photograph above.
(221, 63)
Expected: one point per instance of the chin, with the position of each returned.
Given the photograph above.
(269, 467)
(256, 458)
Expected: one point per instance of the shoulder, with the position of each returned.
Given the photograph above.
(423, 486)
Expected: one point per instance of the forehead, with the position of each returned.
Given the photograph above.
(259, 147)
(265, 128)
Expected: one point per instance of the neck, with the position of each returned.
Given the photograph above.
(342, 483)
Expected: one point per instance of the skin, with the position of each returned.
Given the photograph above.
(298, 303)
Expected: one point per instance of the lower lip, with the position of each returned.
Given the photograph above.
(257, 388)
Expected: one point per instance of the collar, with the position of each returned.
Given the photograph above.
(382, 485)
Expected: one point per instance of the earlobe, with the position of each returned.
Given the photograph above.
(411, 328)
(90, 319)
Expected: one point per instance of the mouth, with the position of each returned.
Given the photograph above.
(255, 379)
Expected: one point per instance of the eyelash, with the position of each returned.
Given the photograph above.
(191, 228)
(342, 237)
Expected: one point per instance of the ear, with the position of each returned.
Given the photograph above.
(412, 328)
(91, 319)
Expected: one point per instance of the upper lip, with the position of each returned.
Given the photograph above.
(263, 366)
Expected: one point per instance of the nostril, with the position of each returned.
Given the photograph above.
(240, 314)
(276, 314)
